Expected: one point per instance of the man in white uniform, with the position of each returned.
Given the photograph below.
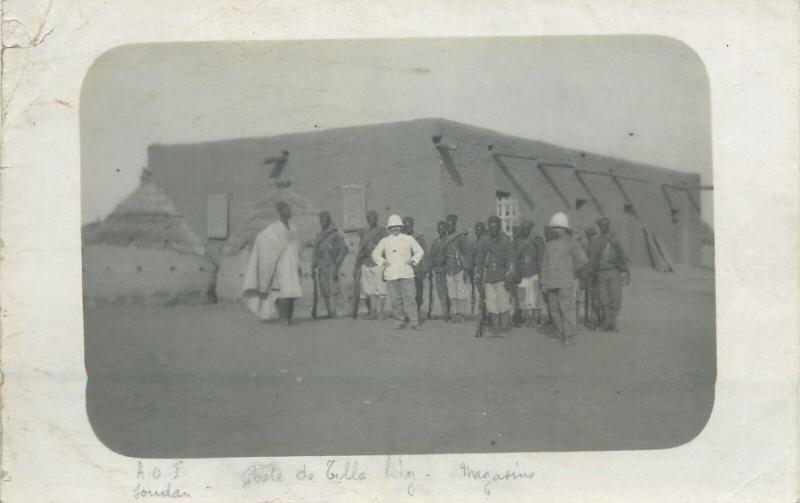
(398, 253)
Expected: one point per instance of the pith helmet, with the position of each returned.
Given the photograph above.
(394, 221)
(559, 220)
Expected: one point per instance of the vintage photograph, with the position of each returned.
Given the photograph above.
(398, 246)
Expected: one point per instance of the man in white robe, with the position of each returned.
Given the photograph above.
(272, 280)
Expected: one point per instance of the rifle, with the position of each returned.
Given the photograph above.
(516, 319)
(482, 319)
(315, 295)
(356, 289)
(430, 293)
(590, 308)
(472, 286)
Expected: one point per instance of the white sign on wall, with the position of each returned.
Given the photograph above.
(217, 216)
(354, 209)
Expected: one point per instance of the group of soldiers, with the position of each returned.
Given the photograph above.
(529, 280)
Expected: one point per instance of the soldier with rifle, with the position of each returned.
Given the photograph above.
(480, 231)
(591, 315)
(367, 274)
(495, 273)
(456, 270)
(529, 249)
(329, 252)
(419, 269)
(436, 272)
(610, 268)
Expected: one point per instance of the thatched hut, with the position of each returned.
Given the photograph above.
(145, 253)
(236, 250)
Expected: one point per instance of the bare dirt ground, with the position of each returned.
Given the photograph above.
(209, 381)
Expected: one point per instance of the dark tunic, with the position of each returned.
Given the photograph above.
(605, 253)
(529, 253)
(455, 253)
(369, 240)
(495, 258)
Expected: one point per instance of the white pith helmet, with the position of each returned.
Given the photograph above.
(394, 221)
(559, 220)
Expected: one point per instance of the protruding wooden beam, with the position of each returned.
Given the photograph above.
(279, 162)
(517, 186)
(589, 191)
(624, 195)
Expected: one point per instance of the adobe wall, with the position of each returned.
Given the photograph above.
(390, 162)
(404, 173)
(681, 238)
(142, 276)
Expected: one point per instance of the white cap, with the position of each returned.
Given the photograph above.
(394, 221)
(559, 220)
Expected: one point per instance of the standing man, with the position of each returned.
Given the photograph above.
(436, 262)
(456, 268)
(372, 283)
(419, 268)
(563, 256)
(529, 249)
(494, 272)
(610, 267)
(472, 250)
(399, 253)
(591, 307)
(329, 252)
(272, 278)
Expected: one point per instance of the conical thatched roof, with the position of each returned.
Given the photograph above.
(305, 216)
(707, 234)
(145, 219)
(146, 200)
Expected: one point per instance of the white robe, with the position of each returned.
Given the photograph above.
(273, 270)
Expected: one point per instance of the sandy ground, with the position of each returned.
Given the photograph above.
(196, 381)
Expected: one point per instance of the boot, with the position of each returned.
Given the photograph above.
(289, 311)
(381, 305)
(612, 319)
(504, 323)
(447, 311)
(606, 318)
(494, 324)
(373, 308)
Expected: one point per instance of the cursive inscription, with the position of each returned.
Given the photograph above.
(262, 474)
(394, 469)
(165, 492)
(489, 477)
(159, 481)
(344, 470)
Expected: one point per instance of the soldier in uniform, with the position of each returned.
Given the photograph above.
(419, 268)
(329, 252)
(610, 267)
(593, 312)
(563, 256)
(372, 283)
(472, 249)
(435, 265)
(495, 271)
(456, 270)
(529, 249)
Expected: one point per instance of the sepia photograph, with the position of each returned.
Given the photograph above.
(398, 246)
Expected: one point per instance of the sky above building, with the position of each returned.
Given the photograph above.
(640, 98)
